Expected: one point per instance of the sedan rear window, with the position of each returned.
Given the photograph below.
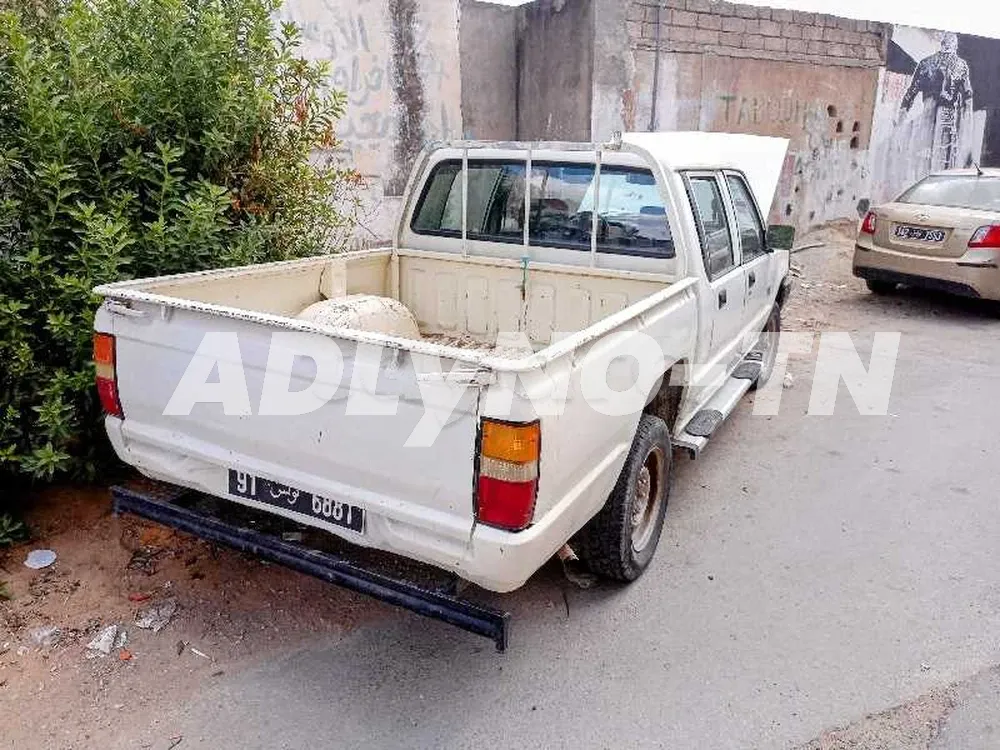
(958, 191)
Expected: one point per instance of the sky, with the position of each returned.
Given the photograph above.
(966, 16)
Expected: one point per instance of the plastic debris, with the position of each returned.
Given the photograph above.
(139, 596)
(104, 642)
(40, 558)
(122, 638)
(156, 616)
(124, 655)
(789, 381)
(46, 636)
(202, 654)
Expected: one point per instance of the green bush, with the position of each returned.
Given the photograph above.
(141, 137)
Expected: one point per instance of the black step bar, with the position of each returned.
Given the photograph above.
(475, 618)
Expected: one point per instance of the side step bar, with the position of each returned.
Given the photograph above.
(159, 507)
(697, 432)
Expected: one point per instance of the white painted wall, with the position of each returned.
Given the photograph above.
(356, 38)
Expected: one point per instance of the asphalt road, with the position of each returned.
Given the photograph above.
(815, 569)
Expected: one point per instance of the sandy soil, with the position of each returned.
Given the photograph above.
(825, 290)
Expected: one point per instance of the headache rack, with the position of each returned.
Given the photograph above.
(260, 534)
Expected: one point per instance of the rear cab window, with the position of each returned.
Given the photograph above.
(632, 219)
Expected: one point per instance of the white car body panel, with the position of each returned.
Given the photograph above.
(419, 501)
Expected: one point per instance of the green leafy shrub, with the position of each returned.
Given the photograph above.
(137, 138)
(12, 530)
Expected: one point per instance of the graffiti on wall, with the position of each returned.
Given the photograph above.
(937, 95)
(825, 113)
(360, 41)
(789, 111)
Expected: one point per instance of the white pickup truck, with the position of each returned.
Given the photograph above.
(519, 414)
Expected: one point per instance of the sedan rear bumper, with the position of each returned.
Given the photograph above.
(970, 275)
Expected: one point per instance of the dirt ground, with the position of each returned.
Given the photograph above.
(233, 611)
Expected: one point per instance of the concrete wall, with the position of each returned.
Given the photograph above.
(488, 39)
(556, 62)
(723, 67)
(398, 62)
(421, 70)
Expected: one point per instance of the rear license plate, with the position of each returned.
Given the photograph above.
(923, 234)
(279, 495)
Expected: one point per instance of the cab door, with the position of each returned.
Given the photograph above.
(754, 256)
(720, 257)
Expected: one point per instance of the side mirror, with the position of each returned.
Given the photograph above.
(780, 236)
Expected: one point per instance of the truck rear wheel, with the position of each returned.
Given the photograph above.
(619, 542)
(767, 345)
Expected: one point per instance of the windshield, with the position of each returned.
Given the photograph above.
(958, 191)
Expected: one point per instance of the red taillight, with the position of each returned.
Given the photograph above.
(107, 377)
(986, 237)
(869, 222)
(508, 474)
(506, 505)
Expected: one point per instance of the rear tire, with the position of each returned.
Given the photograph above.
(768, 347)
(619, 542)
(876, 286)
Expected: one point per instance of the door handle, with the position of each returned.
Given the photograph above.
(722, 298)
(752, 278)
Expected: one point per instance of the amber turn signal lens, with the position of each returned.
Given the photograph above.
(518, 443)
(104, 349)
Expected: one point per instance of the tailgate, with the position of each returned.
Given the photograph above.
(413, 498)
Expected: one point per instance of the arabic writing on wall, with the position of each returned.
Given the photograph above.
(356, 41)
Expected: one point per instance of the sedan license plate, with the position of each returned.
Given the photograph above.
(280, 495)
(905, 232)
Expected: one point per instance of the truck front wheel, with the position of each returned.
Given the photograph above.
(619, 542)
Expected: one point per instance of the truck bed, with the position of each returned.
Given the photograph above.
(461, 303)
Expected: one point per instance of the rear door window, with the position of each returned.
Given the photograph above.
(748, 223)
(713, 225)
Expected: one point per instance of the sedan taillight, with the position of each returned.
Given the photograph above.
(869, 222)
(988, 237)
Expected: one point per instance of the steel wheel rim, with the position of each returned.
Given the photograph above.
(647, 499)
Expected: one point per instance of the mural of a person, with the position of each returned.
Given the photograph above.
(942, 79)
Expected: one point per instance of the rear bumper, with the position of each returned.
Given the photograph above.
(968, 276)
(496, 560)
(165, 506)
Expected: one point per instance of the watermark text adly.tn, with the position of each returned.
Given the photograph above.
(617, 375)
